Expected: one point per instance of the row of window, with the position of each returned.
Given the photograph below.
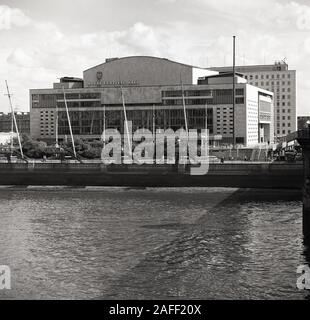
(267, 76)
(93, 122)
(272, 83)
(283, 104)
(284, 110)
(284, 118)
(283, 124)
(69, 96)
(283, 132)
(283, 97)
(187, 93)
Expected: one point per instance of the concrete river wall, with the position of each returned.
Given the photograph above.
(243, 175)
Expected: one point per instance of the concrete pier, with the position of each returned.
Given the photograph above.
(235, 175)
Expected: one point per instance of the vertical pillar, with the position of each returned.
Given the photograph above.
(306, 194)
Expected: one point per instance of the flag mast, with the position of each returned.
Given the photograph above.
(234, 93)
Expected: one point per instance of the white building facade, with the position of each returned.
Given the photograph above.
(278, 79)
(153, 90)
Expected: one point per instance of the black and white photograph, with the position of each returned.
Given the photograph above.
(154, 150)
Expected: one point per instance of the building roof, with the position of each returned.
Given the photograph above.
(277, 66)
(109, 60)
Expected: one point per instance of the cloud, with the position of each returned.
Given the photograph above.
(10, 17)
(33, 57)
(143, 38)
(22, 59)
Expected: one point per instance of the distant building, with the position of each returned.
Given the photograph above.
(22, 119)
(278, 79)
(152, 90)
(302, 121)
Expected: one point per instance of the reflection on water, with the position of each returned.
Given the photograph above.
(199, 243)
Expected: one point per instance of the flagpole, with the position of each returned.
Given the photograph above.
(234, 93)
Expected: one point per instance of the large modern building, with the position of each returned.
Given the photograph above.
(153, 89)
(278, 79)
(22, 120)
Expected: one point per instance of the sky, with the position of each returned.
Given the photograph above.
(41, 41)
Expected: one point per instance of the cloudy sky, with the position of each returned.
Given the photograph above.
(41, 41)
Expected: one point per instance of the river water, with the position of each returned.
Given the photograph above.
(176, 243)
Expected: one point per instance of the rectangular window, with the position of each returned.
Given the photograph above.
(239, 100)
(90, 95)
(240, 92)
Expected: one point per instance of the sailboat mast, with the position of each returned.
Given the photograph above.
(12, 131)
(57, 126)
(14, 119)
(69, 122)
(104, 124)
(126, 122)
(153, 121)
(184, 108)
(185, 115)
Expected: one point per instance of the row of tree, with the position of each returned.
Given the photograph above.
(36, 149)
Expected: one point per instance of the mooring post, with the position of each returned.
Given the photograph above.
(304, 140)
